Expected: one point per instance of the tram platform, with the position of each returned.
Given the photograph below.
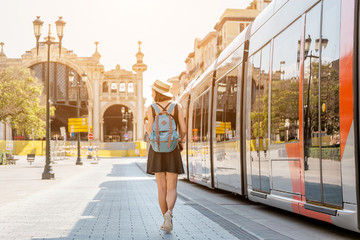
(115, 199)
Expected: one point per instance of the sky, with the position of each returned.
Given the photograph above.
(166, 28)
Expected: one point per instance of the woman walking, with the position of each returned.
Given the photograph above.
(165, 165)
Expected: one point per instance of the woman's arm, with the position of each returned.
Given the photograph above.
(181, 121)
(150, 120)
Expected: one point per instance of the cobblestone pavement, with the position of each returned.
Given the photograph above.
(115, 199)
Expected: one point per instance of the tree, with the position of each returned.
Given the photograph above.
(20, 105)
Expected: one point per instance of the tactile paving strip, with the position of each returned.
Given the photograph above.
(233, 229)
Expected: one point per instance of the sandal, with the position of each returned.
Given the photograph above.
(168, 224)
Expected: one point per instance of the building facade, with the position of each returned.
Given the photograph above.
(231, 23)
(112, 100)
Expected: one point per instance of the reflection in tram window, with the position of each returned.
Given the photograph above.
(264, 97)
(254, 116)
(285, 86)
(226, 107)
(197, 121)
(205, 117)
(311, 111)
(329, 103)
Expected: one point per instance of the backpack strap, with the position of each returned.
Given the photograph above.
(172, 105)
(163, 108)
(157, 130)
(170, 132)
(156, 108)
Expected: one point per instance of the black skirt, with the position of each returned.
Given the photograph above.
(164, 162)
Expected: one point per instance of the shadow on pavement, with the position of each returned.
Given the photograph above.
(125, 208)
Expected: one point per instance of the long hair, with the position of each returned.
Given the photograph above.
(161, 97)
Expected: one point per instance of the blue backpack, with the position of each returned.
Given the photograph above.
(163, 136)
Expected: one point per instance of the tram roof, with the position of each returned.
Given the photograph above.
(195, 82)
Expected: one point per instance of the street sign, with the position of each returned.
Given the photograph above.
(73, 128)
(91, 136)
(78, 125)
(78, 121)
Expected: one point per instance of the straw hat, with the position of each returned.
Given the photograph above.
(162, 88)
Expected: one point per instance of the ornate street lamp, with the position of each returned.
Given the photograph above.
(78, 84)
(37, 23)
(324, 43)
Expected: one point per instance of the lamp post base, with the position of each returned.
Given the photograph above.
(48, 172)
(48, 175)
(79, 162)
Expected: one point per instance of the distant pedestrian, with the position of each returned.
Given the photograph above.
(165, 165)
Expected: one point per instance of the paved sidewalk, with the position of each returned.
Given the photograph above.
(111, 200)
(115, 199)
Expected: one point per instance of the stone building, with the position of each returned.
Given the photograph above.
(112, 100)
(231, 23)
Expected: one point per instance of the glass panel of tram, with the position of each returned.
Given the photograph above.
(321, 106)
(259, 153)
(226, 153)
(285, 109)
(196, 158)
(200, 147)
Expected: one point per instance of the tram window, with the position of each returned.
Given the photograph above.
(226, 107)
(330, 121)
(285, 86)
(205, 117)
(196, 130)
(264, 95)
(255, 92)
(230, 62)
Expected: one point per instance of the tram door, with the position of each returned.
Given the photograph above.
(259, 154)
(322, 164)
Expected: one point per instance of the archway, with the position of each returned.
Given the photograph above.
(62, 96)
(118, 124)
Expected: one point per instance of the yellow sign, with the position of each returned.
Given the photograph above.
(73, 128)
(77, 121)
(78, 125)
(222, 127)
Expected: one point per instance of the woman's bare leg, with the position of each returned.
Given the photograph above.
(171, 180)
(162, 189)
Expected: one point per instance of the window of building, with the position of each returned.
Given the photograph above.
(122, 87)
(130, 87)
(113, 87)
(105, 87)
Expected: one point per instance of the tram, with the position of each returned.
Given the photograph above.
(276, 117)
